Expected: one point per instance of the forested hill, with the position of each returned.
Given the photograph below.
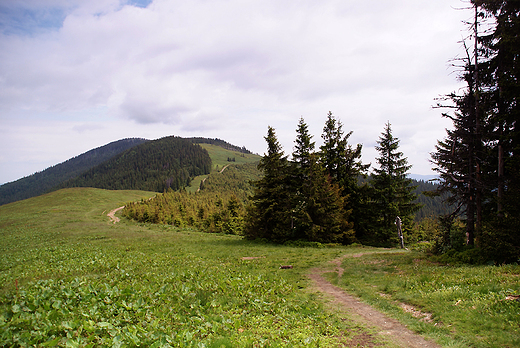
(41, 182)
(431, 206)
(157, 165)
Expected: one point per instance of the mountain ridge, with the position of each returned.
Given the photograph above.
(54, 177)
(43, 181)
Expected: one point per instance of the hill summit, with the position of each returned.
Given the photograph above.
(133, 163)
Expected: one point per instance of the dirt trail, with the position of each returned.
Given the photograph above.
(385, 326)
(224, 168)
(112, 214)
(219, 172)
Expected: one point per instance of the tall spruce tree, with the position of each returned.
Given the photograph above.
(269, 215)
(300, 180)
(478, 161)
(343, 164)
(393, 191)
(459, 158)
(499, 77)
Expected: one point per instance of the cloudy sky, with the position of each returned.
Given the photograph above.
(75, 74)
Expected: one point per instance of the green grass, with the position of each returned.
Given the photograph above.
(71, 278)
(470, 305)
(219, 157)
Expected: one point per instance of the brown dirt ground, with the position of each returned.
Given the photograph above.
(112, 214)
(385, 326)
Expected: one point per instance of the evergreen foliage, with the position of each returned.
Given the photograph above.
(42, 182)
(297, 200)
(430, 206)
(158, 165)
(498, 93)
(270, 215)
(392, 191)
(218, 207)
(343, 164)
(478, 161)
(303, 148)
(325, 208)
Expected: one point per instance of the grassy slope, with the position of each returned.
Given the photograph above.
(70, 277)
(219, 157)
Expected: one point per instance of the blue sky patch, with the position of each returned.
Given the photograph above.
(18, 20)
(139, 3)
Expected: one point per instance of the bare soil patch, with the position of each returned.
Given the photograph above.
(112, 214)
(252, 257)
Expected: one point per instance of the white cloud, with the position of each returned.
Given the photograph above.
(223, 69)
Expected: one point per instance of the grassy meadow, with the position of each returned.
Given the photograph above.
(71, 278)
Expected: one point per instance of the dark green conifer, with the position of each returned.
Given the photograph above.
(326, 215)
(343, 164)
(269, 215)
(299, 180)
(393, 191)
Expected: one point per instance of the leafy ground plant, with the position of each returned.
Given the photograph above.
(70, 277)
(477, 306)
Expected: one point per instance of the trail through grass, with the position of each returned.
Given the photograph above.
(70, 277)
(473, 306)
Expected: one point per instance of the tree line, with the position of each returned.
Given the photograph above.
(478, 161)
(219, 142)
(217, 207)
(317, 195)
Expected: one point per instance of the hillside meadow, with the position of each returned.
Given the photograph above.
(71, 278)
(220, 158)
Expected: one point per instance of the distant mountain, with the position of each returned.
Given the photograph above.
(157, 165)
(431, 206)
(42, 182)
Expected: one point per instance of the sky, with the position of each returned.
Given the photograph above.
(76, 75)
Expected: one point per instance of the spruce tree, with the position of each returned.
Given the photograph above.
(478, 161)
(343, 164)
(459, 159)
(393, 191)
(325, 208)
(499, 79)
(299, 180)
(269, 215)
